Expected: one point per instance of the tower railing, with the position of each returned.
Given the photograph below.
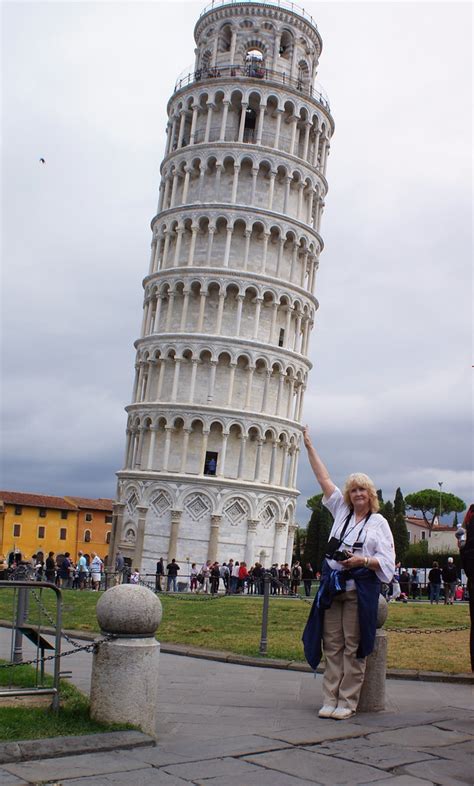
(296, 9)
(253, 71)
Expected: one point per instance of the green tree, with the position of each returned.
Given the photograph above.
(299, 544)
(389, 514)
(429, 501)
(399, 503)
(455, 520)
(317, 533)
(381, 502)
(401, 538)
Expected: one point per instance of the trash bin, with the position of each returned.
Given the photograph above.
(182, 586)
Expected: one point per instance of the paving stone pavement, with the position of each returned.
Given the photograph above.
(222, 724)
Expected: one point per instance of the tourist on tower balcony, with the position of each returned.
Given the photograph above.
(360, 556)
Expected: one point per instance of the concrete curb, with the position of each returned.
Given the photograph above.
(54, 747)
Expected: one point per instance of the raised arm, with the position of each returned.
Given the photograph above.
(320, 471)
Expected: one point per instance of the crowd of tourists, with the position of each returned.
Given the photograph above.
(84, 573)
(235, 578)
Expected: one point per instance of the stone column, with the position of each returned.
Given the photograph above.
(261, 116)
(166, 452)
(184, 312)
(127, 664)
(289, 543)
(117, 526)
(279, 544)
(258, 460)
(242, 121)
(307, 129)
(268, 374)
(254, 184)
(193, 124)
(174, 532)
(231, 384)
(177, 366)
(240, 300)
(250, 370)
(225, 111)
(177, 249)
(214, 537)
(212, 382)
(220, 313)
(272, 337)
(276, 141)
(210, 234)
(250, 544)
(222, 455)
(235, 183)
(195, 362)
(182, 122)
(169, 311)
(266, 236)
(248, 234)
(192, 245)
(280, 256)
(271, 190)
(151, 448)
(258, 306)
(240, 469)
(142, 510)
(271, 478)
(184, 454)
(227, 246)
(187, 175)
(156, 323)
(205, 438)
(210, 108)
(202, 306)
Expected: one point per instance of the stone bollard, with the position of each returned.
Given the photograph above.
(372, 695)
(124, 683)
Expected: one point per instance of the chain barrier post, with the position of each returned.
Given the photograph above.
(21, 616)
(266, 599)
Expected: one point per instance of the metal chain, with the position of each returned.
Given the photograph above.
(53, 623)
(427, 630)
(86, 648)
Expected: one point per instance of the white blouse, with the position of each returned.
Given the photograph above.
(375, 536)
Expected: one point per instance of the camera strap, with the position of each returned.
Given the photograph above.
(346, 524)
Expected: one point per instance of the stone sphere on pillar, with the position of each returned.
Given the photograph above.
(130, 610)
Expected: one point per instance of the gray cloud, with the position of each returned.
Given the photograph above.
(85, 86)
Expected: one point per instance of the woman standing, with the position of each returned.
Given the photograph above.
(360, 555)
(466, 548)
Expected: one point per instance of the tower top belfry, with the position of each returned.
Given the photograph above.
(222, 365)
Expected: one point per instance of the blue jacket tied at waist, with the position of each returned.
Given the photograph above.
(332, 583)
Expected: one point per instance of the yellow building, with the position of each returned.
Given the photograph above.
(30, 523)
(94, 524)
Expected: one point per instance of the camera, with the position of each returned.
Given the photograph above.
(342, 555)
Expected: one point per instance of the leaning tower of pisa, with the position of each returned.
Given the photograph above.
(221, 366)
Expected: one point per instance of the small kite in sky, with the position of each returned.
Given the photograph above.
(42, 161)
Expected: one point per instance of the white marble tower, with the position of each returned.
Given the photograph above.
(221, 367)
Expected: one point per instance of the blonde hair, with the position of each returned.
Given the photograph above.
(362, 480)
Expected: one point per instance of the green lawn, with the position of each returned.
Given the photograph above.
(30, 723)
(233, 624)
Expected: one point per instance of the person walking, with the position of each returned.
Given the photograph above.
(159, 574)
(308, 576)
(96, 567)
(434, 578)
(414, 584)
(81, 570)
(360, 556)
(296, 573)
(119, 566)
(172, 571)
(466, 550)
(449, 575)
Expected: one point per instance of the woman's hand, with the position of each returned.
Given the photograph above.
(306, 438)
(354, 561)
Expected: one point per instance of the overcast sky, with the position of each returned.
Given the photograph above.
(85, 86)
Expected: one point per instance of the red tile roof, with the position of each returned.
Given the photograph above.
(92, 504)
(422, 523)
(36, 500)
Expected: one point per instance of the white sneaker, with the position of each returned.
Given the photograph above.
(326, 711)
(342, 713)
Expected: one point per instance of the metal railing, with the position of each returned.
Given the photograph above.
(253, 71)
(29, 619)
(296, 9)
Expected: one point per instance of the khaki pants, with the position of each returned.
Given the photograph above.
(344, 673)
